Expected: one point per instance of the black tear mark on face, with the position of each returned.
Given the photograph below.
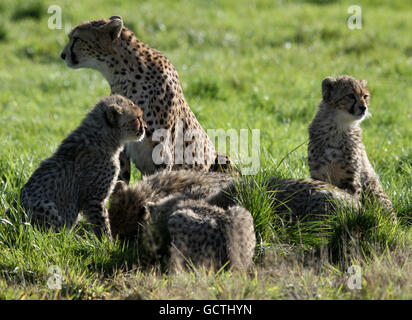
(353, 98)
(72, 54)
(352, 108)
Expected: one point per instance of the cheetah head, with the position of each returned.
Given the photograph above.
(123, 115)
(91, 42)
(347, 97)
(126, 214)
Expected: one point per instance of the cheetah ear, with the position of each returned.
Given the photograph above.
(113, 113)
(114, 27)
(115, 18)
(327, 87)
(364, 83)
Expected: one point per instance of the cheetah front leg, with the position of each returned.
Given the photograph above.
(372, 189)
(344, 171)
(96, 213)
(321, 164)
(349, 180)
(124, 173)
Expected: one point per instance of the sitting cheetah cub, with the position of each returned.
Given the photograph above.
(336, 153)
(82, 173)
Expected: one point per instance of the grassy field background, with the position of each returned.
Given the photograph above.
(242, 64)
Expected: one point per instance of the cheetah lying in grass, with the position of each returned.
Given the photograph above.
(203, 234)
(303, 199)
(336, 153)
(182, 210)
(129, 204)
(82, 172)
(167, 212)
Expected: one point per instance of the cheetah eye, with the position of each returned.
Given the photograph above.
(351, 96)
(366, 96)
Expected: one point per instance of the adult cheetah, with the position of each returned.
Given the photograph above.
(336, 152)
(82, 173)
(146, 76)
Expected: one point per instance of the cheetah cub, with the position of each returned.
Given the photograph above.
(203, 234)
(298, 199)
(82, 173)
(336, 152)
(128, 206)
(167, 215)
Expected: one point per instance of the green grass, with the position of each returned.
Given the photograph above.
(242, 65)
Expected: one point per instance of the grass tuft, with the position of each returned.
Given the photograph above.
(363, 233)
(31, 9)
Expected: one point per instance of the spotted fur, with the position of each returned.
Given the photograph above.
(336, 153)
(303, 199)
(147, 77)
(129, 204)
(166, 210)
(82, 173)
(203, 234)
